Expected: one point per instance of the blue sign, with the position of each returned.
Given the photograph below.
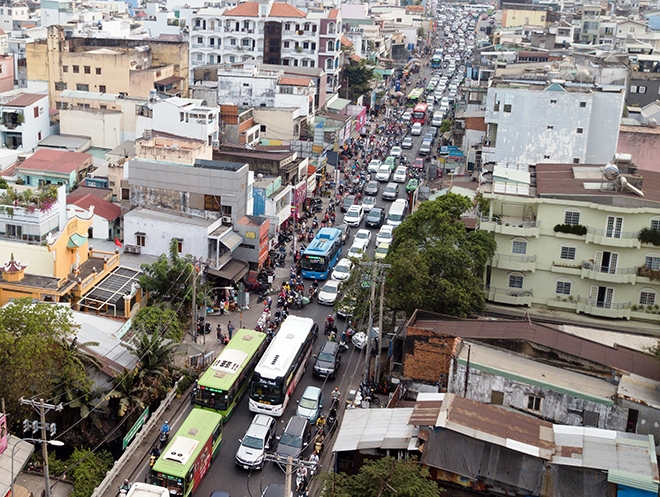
(448, 149)
(398, 85)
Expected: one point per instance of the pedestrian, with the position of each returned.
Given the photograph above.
(230, 329)
(218, 332)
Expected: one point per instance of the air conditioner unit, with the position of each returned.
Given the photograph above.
(226, 219)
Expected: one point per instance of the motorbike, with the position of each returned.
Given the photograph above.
(312, 293)
(163, 438)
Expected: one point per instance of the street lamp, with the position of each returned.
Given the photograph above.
(56, 443)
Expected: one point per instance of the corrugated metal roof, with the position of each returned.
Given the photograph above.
(375, 429)
(89, 95)
(632, 480)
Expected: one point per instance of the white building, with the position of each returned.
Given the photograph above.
(187, 118)
(105, 215)
(25, 120)
(534, 122)
(13, 16)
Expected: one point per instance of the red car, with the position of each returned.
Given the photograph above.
(419, 163)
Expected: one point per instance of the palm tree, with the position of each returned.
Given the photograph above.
(128, 390)
(154, 352)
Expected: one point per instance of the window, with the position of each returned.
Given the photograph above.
(14, 231)
(497, 398)
(534, 402)
(551, 127)
(572, 217)
(583, 104)
(652, 262)
(140, 239)
(579, 131)
(563, 287)
(179, 245)
(515, 281)
(567, 252)
(98, 71)
(212, 203)
(66, 69)
(87, 69)
(81, 87)
(576, 160)
(614, 225)
(641, 89)
(102, 88)
(633, 89)
(36, 112)
(519, 247)
(647, 297)
(655, 224)
(507, 103)
(76, 69)
(262, 128)
(496, 107)
(590, 418)
(125, 194)
(60, 85)
(330, 46)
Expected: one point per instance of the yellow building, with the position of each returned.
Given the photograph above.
(128, 67)
(90, 280)
(516, 14)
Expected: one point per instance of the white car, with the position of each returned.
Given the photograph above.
(383, 173)
(342, 270)
(416, 129)
(328, 294)
(354, 215)
(374, 165)
(396, 152)
(407, 142)
(368, 203)
(357, 250)
(384, 235)
(400, 175)
(407, 116)
(364, 236)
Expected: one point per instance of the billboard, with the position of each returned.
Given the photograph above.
(3, 433)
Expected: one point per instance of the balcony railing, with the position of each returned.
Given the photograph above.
(602, 304)
(511, 221)
(613, 238)
(511, 292)
(613, 233)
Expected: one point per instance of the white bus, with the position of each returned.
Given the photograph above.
(282, 365)
(139, 489)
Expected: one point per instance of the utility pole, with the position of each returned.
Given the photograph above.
(44, 427)
(375, 268)
(194, 305)
(289, 474)
(291, 465)
(380, 327)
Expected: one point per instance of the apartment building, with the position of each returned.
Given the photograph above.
(534, 118)
(330, 54)
(25, 120)
(582, 238)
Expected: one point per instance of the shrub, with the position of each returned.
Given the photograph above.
(649, 236)
(571, 229)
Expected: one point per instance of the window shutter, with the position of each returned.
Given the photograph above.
(614, 257)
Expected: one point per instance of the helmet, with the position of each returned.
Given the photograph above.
(125, 481)
(336, 389)
(167, 422)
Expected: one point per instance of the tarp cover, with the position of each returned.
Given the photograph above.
(489, 463)
(567, 481)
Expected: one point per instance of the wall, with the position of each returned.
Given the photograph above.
(426, 355)
(279, 123)
(160, 232)
(105, 128)
(100, 226)
(260, 90)
(555, 407)
(643, 143)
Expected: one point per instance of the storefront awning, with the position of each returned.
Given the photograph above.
(231, 240)
(76, 240)
(21, 454)
(234, 270)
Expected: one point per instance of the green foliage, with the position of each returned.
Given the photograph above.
(386, 477)
(154, 352)
(420, 32)
(359, 79)
(90, 469)
(445, 126)
(436, 264)
(159, 317)
(34, 356)
(649, 236)
(355, 292)
(169, 279)
(571, 229)
(3, 184)
(483, 204)
(128, 393)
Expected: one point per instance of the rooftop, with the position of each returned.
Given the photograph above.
(102, 208)
(25, 100)
(291, 81)
(376, 429)
(57, 161)
(170, 217)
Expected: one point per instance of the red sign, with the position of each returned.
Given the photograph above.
(3, 433)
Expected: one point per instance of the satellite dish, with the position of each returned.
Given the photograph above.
(260, 176)
(583, 75)
(610, 171)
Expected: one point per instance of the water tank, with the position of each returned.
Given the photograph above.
(610, 171)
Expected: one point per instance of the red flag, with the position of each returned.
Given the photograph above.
(117, 242)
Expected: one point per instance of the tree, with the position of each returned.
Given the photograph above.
(33, 357)
(85, 468)
(386, 477)
(359, 79)
(445, 126)
(159, 317)
(127, 392)
(436, 264)
(420, 32)
(154, 352)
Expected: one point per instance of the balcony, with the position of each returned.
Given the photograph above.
(510, 296)
(607, 274)
(612, 238)
(515, 262)
(603, 309)
(512, 226)
(566, 268)
(199, 45)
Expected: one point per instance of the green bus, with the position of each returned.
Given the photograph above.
(186, 459)
(414, 97)
(222, 385)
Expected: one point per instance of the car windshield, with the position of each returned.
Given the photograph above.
(326, 357)
(341, 269)
(390, 189)
(382, 250)
(386, 235)
(369, 200)
(363, 235)
(307, 403)
(329, 289)
(291, 440)
(253, 442)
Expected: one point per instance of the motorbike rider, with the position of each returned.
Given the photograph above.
(125, 487)
(336, 395)
(165, 429)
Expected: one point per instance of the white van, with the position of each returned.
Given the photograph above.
(416, 129)
(397, 211)
(437, 119)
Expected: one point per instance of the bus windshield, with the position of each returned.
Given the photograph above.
(266, 392)
(314, 263)
(214, 399)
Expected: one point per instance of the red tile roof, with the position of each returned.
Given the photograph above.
(333, 13)
(280, 9)
(247, 9)
(58, 161)
(346, 42)
(289, 81)
(355, 57)
(102, 207)
(25, 99)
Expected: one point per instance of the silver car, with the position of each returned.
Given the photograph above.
(256, 441)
